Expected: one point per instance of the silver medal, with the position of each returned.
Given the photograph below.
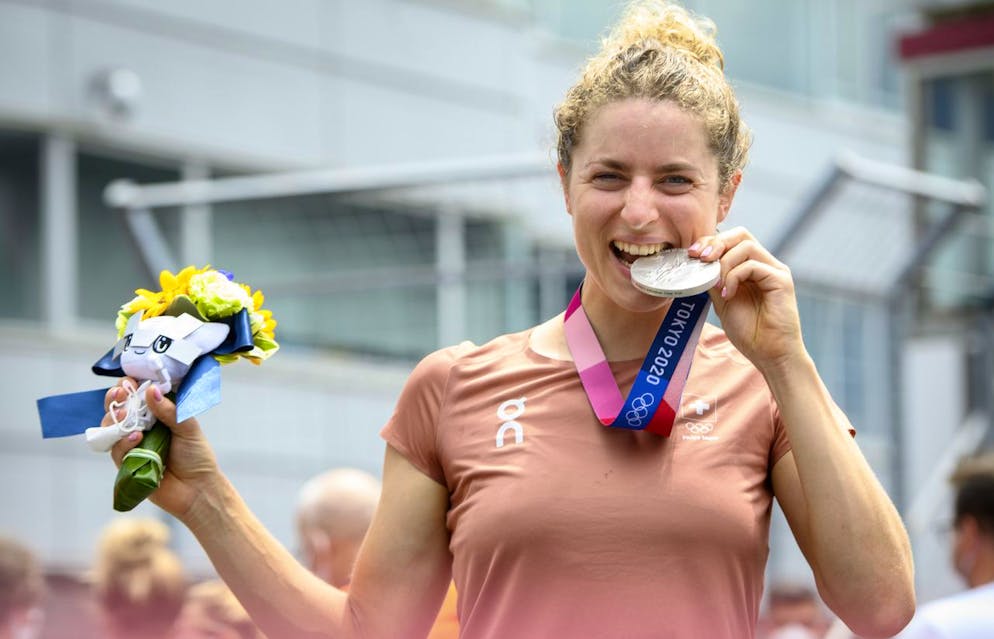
(673, 273)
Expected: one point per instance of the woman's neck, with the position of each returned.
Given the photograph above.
(622, 333)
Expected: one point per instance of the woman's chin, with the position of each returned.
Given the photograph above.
(630, 298)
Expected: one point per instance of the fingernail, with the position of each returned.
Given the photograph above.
(156, 394)
(127, 385)
(724, 291)
(695, 246)
(707, 251)
(133, 436)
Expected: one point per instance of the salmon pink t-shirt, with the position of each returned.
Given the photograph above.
(561, 527)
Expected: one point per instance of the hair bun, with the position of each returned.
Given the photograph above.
(671, 26)
(659, 51)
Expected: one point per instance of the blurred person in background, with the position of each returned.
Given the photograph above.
(793, 610)
(138, 581)
(499, 471)
(334, 511)
(22, 588)
(968, 614)
(211, 611)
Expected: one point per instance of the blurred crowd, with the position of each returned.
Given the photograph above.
(137, 587)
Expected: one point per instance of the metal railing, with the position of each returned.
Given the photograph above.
(449, 273)
(962, 198)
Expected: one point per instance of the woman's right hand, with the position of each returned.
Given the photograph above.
(191, 468)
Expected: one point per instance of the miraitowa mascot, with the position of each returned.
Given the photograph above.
(159, 350)
(173, 352)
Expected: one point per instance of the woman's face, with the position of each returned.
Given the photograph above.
(643, 179)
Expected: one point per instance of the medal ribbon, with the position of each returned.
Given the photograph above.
(655, 397)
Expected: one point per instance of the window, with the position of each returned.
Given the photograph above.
(19, 226)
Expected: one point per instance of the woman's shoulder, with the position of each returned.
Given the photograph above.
(470, 354)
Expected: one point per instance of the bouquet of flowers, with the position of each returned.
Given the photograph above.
(175, 339)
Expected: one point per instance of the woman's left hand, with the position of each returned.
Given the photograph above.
(754, 299)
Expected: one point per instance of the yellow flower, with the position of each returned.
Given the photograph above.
(179, 284)
(215, 296)
(147, 302)
(152, 303)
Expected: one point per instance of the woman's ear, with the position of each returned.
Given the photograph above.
(564, 184)
(728, 194)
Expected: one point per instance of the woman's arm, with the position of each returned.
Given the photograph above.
(400, 576)
(404, 566)
(845, 524)
(843, 521)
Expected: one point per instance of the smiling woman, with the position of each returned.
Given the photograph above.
(499, 470)
(641, 179)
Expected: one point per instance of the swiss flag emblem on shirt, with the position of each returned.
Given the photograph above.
(699, 413)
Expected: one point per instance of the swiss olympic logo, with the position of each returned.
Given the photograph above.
(699, 415)
(700, 429)
(640, 410)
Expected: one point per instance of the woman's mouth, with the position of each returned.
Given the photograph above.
(628, 252)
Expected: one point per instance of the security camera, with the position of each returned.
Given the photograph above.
(118, 91)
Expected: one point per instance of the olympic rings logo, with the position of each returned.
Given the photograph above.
(700, 429)
(640, 410)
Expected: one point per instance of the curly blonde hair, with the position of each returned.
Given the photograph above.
(659, 51)
(139, 581)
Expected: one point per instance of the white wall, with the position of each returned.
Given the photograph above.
(277, 84)
(935, 402)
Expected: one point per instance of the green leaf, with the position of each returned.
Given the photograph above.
(140, 472)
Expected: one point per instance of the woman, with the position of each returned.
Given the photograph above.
(496, 469)
(139, 582)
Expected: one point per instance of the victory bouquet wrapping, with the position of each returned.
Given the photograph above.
(175, 339)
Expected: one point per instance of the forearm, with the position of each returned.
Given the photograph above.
(283, 598)
(856, 542)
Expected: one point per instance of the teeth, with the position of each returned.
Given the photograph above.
(638, 249)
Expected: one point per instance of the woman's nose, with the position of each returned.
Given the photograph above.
(640, 206)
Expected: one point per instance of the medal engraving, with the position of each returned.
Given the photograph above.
(673, 273)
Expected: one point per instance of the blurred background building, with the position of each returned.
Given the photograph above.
(383, 170)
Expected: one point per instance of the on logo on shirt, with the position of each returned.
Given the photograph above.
(509, 412)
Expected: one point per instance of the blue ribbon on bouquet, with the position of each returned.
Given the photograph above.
(72, 413)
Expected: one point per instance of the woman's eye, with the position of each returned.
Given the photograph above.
(161, 344)
(607, 177)
(676, 184)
